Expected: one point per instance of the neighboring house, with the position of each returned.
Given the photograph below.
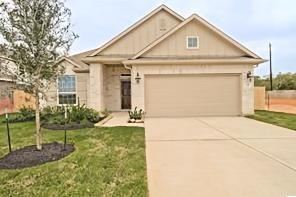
(165, 65)
(11, 98)
(6, 95)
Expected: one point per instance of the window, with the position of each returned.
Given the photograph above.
(67, 89)
(192, 42)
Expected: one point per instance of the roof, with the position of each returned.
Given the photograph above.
(134, 26)
(204, 22)
(76, 60)
(81, 60)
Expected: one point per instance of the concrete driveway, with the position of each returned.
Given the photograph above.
(219, 156)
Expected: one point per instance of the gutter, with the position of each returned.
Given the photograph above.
(193, 61)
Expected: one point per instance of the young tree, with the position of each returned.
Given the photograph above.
(36, 34)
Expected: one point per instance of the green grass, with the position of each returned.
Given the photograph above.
(277, 118)
(106, 162)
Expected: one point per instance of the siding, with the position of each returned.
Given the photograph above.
(142, 35)
(210, 44)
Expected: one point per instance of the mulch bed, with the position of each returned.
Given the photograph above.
(29, 156)
(71, 126)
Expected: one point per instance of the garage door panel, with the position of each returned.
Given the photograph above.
(191, 95)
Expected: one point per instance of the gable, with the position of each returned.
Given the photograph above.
(142, 35)
(210, 44)
(165, 46)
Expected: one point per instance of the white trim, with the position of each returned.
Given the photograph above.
(76, 98)
(70, 61)
(197, 42)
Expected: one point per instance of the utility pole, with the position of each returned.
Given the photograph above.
(270, 67)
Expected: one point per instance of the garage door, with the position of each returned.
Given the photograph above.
(192, 95)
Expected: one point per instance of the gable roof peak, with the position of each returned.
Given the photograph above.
(208, 25)
(138, 23)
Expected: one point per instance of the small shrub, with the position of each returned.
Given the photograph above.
(77, 113)
(93, 116)
(136, 114)
(27, 113)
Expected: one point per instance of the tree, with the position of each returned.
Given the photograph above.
(282, 81)
(36, 34)
(285, 81)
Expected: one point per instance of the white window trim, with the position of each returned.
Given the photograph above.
(58, 102)
(197, 47)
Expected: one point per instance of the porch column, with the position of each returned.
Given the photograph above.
(95, 100)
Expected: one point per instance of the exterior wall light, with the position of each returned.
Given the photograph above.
(249, 75)
(138, 78)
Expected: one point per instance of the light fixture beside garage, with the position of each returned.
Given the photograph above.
(249, 75)
(138, 78)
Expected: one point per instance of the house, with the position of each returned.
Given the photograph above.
(12, 96)
(166, 65)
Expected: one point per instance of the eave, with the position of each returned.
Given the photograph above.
(104, 60)
(230, 61)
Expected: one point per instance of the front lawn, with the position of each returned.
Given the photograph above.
(277, 118)
(106, 162)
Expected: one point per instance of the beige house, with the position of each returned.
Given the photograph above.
(165, 65)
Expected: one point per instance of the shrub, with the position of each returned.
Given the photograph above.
(27, 113)
(136, 114)
(93, 116)
(76, 113)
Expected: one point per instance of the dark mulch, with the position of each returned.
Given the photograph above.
(29, 156)
(71, 126)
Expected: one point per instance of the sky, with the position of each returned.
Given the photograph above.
(254, 23)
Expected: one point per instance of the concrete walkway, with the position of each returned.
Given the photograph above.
(120, 119)
(225, 157)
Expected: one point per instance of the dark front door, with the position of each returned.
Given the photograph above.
(126, 94)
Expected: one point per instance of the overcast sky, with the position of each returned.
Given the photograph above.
(254, 23)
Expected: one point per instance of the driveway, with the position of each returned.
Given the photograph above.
(219, 156)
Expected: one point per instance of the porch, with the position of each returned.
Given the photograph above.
(110, 87)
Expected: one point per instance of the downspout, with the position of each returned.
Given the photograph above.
(126, 67)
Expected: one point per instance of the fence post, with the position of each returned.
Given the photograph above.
(268, 100)
(8, 132)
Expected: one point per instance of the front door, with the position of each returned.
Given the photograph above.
(125, 94)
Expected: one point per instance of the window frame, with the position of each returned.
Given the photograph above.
(58, 92)
(197, 42)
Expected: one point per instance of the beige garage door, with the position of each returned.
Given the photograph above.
(192, 95)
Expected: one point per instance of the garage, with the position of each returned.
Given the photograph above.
(193, 95)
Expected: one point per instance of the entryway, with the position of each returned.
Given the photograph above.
(125, 93)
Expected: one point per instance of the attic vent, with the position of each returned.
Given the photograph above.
(163, 26)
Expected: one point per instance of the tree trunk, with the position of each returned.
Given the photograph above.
(38, 129)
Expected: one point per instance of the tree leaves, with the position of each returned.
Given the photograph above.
(36, 34)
